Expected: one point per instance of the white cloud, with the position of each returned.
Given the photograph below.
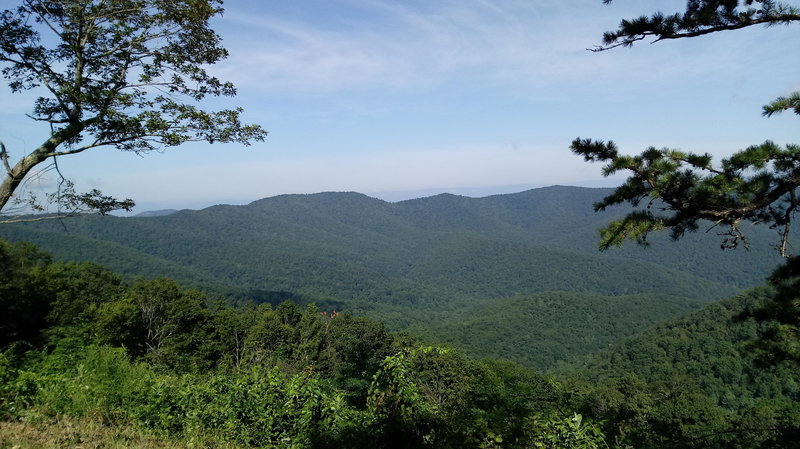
(403, 45)
(364, 75)
(386, 44)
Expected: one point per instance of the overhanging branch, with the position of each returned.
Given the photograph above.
(626, 40)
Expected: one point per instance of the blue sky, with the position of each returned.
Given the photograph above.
(454, 95)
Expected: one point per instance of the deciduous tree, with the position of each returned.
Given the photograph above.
(128, 74)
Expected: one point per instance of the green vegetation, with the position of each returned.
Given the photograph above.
(150, 363)
(681, 191)
(79, 343)
(432, 250)
(139, 360)
(686, 382)
(446, 263)
(127, 74)
(539, 330)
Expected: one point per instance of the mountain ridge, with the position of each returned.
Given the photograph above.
(423, 262)
(371, 233)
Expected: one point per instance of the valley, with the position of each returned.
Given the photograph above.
(440, 266)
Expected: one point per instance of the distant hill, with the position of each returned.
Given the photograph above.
(433, 261)
(706, 345)
(156, 213)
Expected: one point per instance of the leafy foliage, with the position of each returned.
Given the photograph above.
(292, 376)
(758, 184)
(695, 382)
(126, 74)
(568, 433)
(156, 354)
(522, 328)
(450, 268)
(385, 260)
(780, 339)
(680, 189)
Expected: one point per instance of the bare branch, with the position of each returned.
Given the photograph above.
(33, 219)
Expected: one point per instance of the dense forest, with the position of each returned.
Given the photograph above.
(337, 320)
(79, 342)
(159, 362)
(448, 268)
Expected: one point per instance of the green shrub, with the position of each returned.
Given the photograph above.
(103, 382)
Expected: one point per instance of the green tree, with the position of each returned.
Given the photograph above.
(119, 323)
(701, 17)
(358, 346)
(176, 324)
(506, 395)
(79, 290)
(680, 189)
(310, 336)
(556, 432)
(781, 339)
(232, 325)
(119, 73)
(401, 418)
(24, 302)
(269, 339)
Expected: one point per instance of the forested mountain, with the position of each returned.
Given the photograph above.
(702, 376)
(446, 261)
(80, 348)
(157, 360)
(538, 329)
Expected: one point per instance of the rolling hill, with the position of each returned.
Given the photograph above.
(433, 263)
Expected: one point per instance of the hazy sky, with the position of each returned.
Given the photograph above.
(379, 96)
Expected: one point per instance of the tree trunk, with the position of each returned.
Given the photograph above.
(17, 174)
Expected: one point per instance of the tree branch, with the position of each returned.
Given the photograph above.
(661, 36)
(4, 157)
(107, 60)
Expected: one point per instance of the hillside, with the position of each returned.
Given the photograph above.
(79, 343)
(433, 262)
(522, 328)
(697, 376)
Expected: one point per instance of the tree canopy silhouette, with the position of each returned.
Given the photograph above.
(128, 74)
(679, 188)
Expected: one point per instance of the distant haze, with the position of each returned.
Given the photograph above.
(153, 209)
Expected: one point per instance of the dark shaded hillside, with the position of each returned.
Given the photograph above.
(563, 217)
(521, 328)
(696, 380)
(709, 346)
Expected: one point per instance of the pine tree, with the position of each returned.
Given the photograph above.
(680, 191)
